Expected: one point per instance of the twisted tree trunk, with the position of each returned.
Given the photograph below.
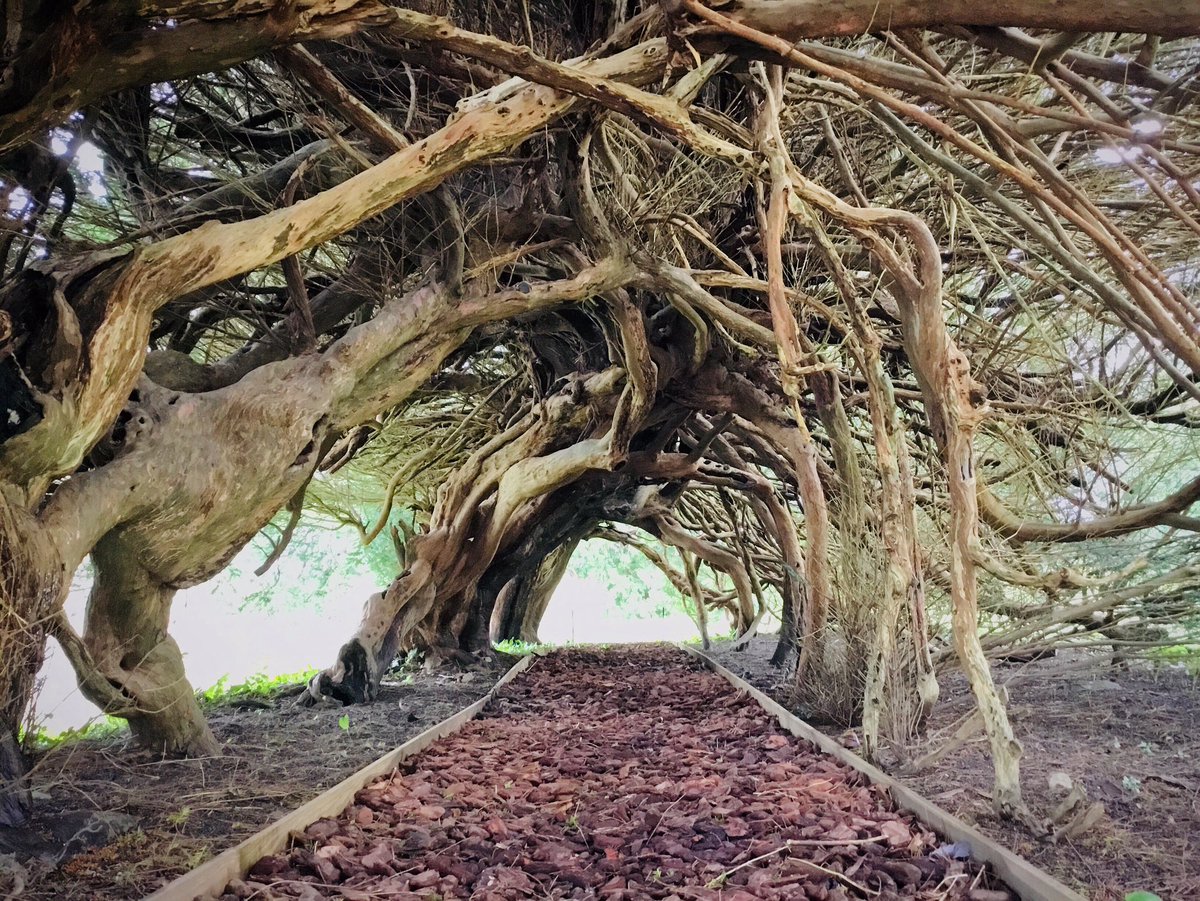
(522, 603)
(126, 635)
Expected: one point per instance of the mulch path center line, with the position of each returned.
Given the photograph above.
(619, 774)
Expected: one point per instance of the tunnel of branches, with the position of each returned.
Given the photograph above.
(883, 317)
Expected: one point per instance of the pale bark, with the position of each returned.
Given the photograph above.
(526, 597)
(807, 605)
(1146, 516)
(549, 577)
(503, 479)
(851, 500)
(126, 636)
(78, 402)
(675, 535)
(898, 528)
(697, 595)
(86, 54)
(954, 404)
(775, 519)
(196, 476)
(905, 586)
(813, 619)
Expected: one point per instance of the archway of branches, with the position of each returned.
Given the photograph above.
(887, 327)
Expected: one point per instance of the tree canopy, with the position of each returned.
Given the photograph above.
(883, 317)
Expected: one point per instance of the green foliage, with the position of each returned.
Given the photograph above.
(303, 576)
(1187, 654)
(344, 723)
(259, 685)
(321, 560)
(639, 590)
(179, 818)
(1142, 896)
(102, 727)
(517, 648)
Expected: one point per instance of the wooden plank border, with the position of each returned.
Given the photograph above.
(211, 878)
(1030, 882)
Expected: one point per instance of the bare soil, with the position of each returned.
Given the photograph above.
(1130, 738)
(619, 774)
(113, 822)
(1134, 747)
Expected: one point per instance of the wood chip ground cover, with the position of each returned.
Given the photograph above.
(1129, 737)
(274, 758)
(618, 775)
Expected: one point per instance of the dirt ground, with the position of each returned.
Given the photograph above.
(1131, 739)
(139, 821)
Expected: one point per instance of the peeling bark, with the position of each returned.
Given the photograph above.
(671, 533)
(167, 477)
(954, 405)
(126, 635)
(517, 467)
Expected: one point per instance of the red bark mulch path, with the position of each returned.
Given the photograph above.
(619, 775)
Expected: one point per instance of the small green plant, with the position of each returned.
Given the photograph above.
(44, 740)
(1132, 784)
(344, 723)
(1186, 654)
(259, 685)
(1142, 896)
(413, 660)
(517, 648)
(215, 692)
(179, 818)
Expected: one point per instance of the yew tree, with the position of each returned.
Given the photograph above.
(858, 316)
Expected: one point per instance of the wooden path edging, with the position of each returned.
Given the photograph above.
(210, 878)
(1030, 882)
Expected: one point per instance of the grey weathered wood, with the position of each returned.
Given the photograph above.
(1030, 882)
(210, 878)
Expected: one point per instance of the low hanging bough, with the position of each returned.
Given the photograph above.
(720, 280)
